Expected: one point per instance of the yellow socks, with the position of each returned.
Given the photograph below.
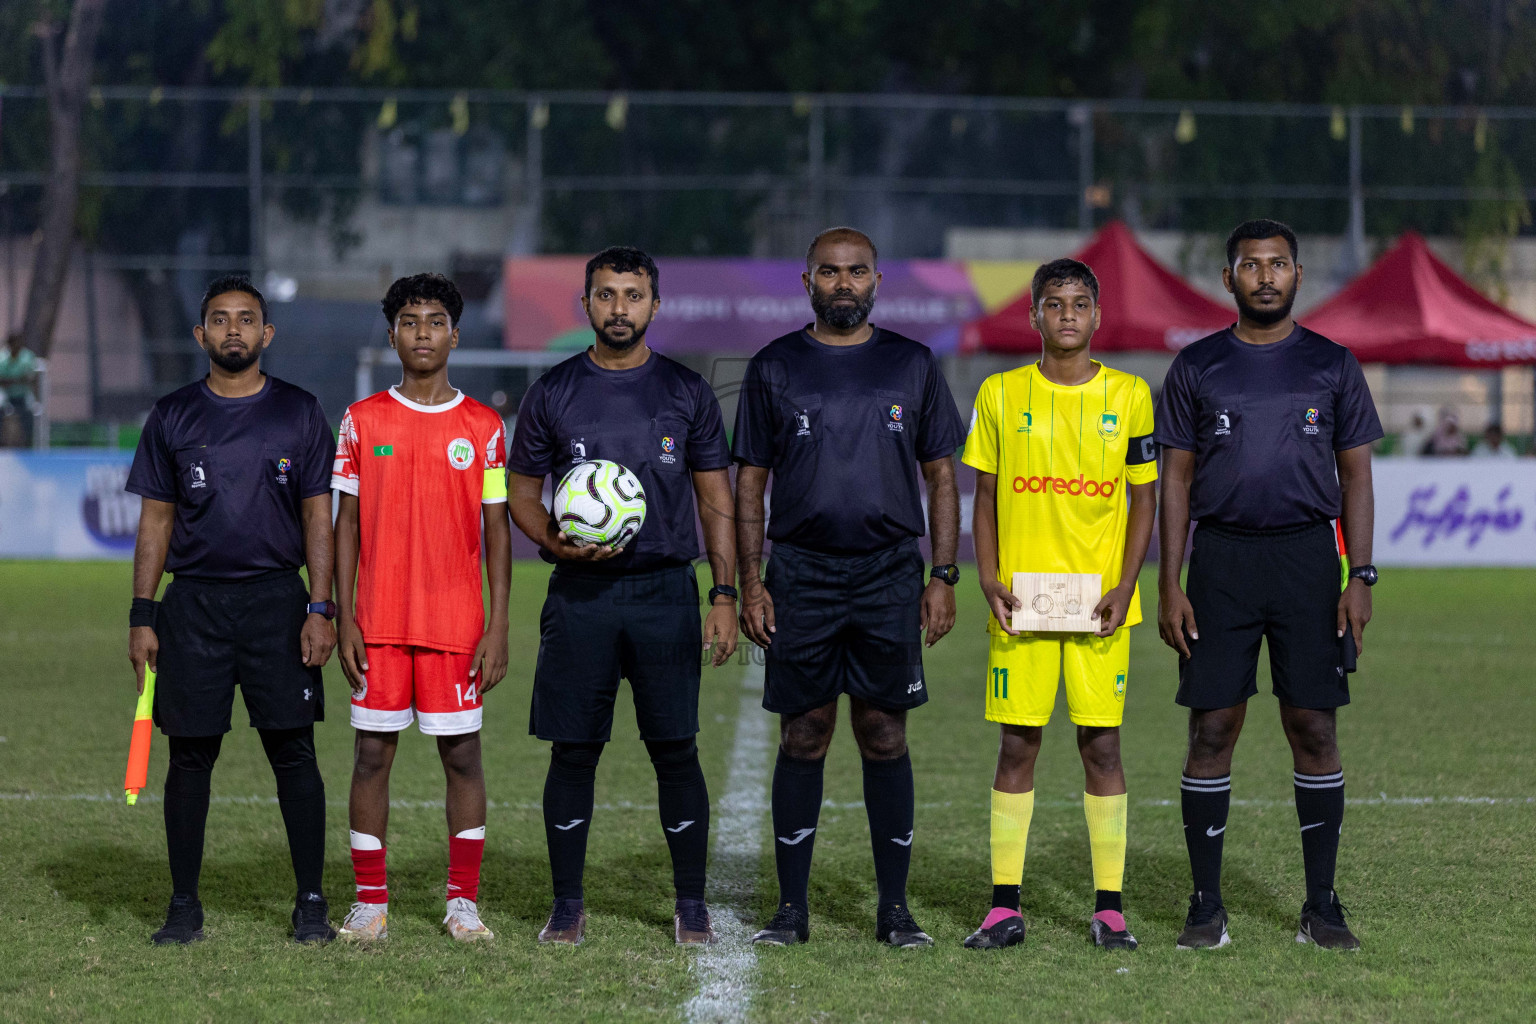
(1106, 838)
(1010, 834)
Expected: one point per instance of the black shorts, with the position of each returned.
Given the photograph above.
(845, 624)
(645, 627)
(1280, 585)
(216, 635)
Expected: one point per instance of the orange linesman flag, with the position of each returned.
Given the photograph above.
(137, 776)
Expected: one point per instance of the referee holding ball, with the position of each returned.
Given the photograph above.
(630, 611)
(1266, 431)
(235, 476)
(844, 415)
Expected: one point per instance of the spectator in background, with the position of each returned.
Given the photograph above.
(1416, 437)
(18, 393)
(1447, 438)
(1494, 445)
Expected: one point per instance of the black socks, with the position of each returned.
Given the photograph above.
(796, 811)
(187, 785)
(301, 798)
(1320, 812)
(888, 800)
(1205, 803)
(683, 800)
(568, 796)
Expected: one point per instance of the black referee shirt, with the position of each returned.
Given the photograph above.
(1264, 422)
(237, 469)
(660, 420)
(843, 429)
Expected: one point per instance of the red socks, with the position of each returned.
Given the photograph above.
(464, 856)
(368, 866)
(465, 852)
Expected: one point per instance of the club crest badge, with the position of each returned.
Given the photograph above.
(461, 453)
(1109, 425)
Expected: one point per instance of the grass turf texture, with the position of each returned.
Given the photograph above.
(1440, 890)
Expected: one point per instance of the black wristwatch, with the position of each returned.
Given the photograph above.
(1365, 574)
(722, 590)
(325, 608)
(947, 573)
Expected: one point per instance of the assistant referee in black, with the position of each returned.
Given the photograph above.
(235, 475)
(844, 415)
(1266, 430)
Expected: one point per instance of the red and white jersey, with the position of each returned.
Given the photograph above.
(421, 474)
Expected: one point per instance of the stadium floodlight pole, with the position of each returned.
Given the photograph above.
(253, 179)
(137, 776)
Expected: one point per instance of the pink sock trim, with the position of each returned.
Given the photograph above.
(999, 914)
(1113, 920)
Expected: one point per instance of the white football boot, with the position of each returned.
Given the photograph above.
(464, 922)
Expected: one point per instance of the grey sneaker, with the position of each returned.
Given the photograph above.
(790, 926)
(895, 926)
(567, 924)
(1324, 925)
(1206, 925)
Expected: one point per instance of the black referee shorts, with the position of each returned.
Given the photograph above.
(593, 629)
(845, 624)
(1282, 586)
(216, 635)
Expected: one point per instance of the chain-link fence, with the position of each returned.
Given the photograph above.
(326, 195)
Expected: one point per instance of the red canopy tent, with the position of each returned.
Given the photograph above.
(1412, 308)
(1146, 307)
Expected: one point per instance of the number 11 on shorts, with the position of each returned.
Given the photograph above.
(1000, 683)
(467, 695)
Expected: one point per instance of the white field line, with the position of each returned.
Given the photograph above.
(724, 970)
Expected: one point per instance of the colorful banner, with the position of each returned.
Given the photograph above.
(1455, 511)
(736, 305)
(1429, 512)
(67, 504)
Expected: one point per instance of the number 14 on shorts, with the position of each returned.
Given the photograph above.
(465, 694)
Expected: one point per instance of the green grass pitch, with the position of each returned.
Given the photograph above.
(1437, 863)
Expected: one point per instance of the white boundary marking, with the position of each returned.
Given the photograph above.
(724, 970)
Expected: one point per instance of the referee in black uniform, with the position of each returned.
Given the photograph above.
(235, 476)
(631, 611)
(845, 415)
(1266, 431)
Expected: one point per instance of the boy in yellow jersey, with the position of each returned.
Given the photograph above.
(1064, 469)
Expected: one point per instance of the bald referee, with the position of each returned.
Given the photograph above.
(844, 416)
(235, 476)
(1266, 431)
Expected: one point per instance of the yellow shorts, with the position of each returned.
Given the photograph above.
(1022, 672)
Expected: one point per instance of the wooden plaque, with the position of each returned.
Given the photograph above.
(1056, 602)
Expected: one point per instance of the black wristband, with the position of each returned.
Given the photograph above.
(143, 612)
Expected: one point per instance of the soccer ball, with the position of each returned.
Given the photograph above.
(600, 502)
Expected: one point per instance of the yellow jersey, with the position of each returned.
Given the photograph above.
(1064, 457)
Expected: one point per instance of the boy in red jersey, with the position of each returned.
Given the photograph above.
(419, 467)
